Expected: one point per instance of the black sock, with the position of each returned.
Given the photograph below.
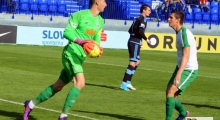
(133, 72)
(128, 73)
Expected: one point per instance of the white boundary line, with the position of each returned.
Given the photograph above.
(111, 65)
(146, 69)
(47, 109)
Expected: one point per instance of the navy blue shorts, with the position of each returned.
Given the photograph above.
(134, 51)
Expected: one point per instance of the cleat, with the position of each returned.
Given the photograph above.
(64, 118)
(180, 117)
(27, 110)
(130, 86)
(123, 86)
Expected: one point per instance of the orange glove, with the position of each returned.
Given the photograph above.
(87, 47)
(101, 52)
(101, 48)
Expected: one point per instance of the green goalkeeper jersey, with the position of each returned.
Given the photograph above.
(85, 26)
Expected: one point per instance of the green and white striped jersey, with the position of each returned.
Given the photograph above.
(184, 39)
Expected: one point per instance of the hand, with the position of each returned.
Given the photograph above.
(101, 48)
(101, 52)
(148, 42)
(81, 42)
(177, 80)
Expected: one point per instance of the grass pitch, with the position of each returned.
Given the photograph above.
(26, 70)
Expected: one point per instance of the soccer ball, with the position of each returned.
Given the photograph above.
(92, 49)
(95, 52)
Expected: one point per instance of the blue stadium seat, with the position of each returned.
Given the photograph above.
(24, 6)
(113, 11)
(61, 8)
(133, 9)
(145, 1)
(149, 2)
(52, 4)
(214, 4)
(34, 6)
(17, 6)
(197, 15)
(179, 6)
(219, 14)
(72, 6)
(189, 18)
(214, 16)
(206, 17)
(71, 2)
(43, 7)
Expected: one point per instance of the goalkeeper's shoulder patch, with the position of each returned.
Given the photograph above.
(73, 25)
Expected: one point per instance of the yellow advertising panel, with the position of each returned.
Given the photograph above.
(167, 42)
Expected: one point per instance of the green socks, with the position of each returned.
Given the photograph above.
(170, 105)
(179, 108)
(44, 95)
(49, 92)
(70, 100)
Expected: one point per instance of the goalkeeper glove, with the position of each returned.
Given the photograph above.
(101, 52)
(101, 48)
(80, 41)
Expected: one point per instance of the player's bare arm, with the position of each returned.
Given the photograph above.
(185, 58)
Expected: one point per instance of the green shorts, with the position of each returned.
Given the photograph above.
(72, 65)
(187, 77)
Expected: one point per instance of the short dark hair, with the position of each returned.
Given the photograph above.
(91, 2)
(144, 7)
(179, 15)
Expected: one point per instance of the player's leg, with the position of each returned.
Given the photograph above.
(170, 100)
(178, 106)
(130, 67)
(187, 77)
(137, 64)
(129, 85)
(47, 92)
(77, 72)
(43, 96)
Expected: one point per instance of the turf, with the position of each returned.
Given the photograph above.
(26, 70)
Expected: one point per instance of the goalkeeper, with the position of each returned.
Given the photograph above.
(83, 26)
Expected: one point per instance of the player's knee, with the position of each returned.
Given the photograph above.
(132, 63)
(80, 85)
(175, 95)
(171, 90)
(57, 88)
(138, 62)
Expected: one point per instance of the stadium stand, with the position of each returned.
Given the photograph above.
(117, 9)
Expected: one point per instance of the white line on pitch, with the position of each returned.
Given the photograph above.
(111, 65)
(145, 69)
(47, 109)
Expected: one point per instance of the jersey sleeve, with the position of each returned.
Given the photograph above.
(142, 27)
(70, 30)
(97, 36)
(185, 38)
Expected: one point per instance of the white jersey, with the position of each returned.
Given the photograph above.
(185, 38)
